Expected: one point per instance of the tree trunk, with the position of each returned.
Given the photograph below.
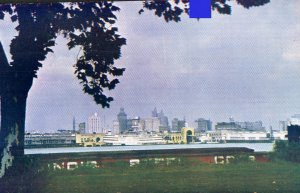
(13, 109)
(14, 88)
(15, 83)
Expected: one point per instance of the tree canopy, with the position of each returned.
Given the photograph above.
(89, 26)
(173, 10)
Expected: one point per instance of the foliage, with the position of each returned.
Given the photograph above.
(284, 150)
(173, 10)
(89, 26)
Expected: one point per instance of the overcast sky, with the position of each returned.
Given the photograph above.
(246, 65)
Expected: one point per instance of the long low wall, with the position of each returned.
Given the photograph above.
(207, 155)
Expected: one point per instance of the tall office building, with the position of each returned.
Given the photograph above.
(283, 125)
(94, 124)
(122, 118)
(203, 125)
(154, 113)
(82, 128)
(152, 124)
(116, 127)
(74, 125)
(177, 124)
(164, 122)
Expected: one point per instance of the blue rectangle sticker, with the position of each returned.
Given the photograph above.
(200, 8)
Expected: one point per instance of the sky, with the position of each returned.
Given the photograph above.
(245, 65)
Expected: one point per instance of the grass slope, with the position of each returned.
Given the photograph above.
(187, 177)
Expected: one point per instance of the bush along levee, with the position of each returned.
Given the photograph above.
(284, 150)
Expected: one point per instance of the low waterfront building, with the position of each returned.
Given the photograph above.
(90, 140)
(186, 136)
(280, 135)
(213, 136)
(42, 140)
(228, 126)
(251, 126)
(241, 126)
(242, 136)
(134, 139)
(173, 138)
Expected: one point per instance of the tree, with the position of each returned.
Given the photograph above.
(286, 150)
(89, 26)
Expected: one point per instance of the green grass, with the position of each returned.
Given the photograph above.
(187, 177)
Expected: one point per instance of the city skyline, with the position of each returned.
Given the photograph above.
(245, 65)
(104, 127)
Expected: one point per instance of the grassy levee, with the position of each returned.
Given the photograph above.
(185, 177)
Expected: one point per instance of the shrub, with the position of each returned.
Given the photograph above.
(284, 150)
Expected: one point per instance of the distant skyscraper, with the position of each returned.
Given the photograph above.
(164, 122)
(136, 124)
(154, 113)
(152, 124)
(203, 125)
(116, 127)
(82, 128)
(177, 124)
(94, 124)
(283, 125)
(74, 126)
(122, 118)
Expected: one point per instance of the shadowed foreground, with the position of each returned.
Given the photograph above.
(186, 176)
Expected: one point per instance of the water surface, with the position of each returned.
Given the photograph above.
(257, 147)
